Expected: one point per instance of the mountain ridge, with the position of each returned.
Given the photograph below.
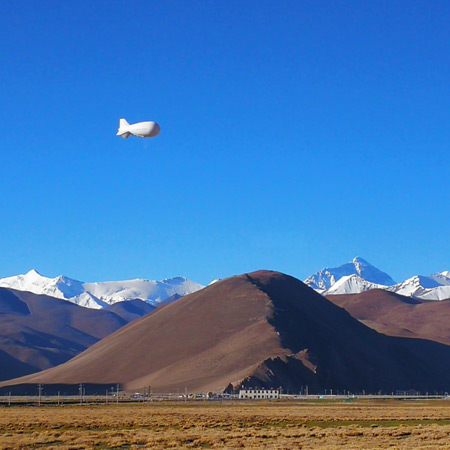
(100, 295)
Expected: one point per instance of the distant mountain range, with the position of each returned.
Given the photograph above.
(353, 277)
(102, 294)
(261, 329)
(359, 276)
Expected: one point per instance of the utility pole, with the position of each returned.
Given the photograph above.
(39, 393)
(117, 394)
(81, 393)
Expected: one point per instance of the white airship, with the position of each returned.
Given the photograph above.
(140, 129)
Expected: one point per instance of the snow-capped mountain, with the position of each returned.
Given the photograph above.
(153, 292)
(433, 287)
(326, 278)
(60, 287)
(358, 276)
(99, 295)
(352, 284)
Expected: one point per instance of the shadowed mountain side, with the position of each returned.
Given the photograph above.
(42, 331)
(12, 367)
(11, 304)
(396, 315)
(260, 329)
(340, 351)
(131, 310)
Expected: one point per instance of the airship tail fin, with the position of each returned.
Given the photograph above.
(123, 123)
(123, 128)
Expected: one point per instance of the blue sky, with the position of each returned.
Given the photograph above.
(295, 135)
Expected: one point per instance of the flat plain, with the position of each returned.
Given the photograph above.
(360, 424)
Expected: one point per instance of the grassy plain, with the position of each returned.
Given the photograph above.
(254, 425)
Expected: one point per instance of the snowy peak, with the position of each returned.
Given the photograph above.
(442, 278)
(371, 273)
(322, 281)
(359, 264)
(60, 287)
(99, 295)
(152, 292)
(352, 284)
(358, 276)
(33, 273)
(433, 287)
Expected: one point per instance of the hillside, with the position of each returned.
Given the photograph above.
(38, 332)
(396, 315)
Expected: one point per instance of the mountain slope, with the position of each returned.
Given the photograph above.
(100, 295)
(130, 310)
(38, 332)
(259, 329)
(396, 315)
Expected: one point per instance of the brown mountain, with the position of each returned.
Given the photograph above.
(12, 367)
(38, 332)
(131, 310)
(258, 329)
(397, 315)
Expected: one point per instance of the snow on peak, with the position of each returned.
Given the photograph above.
(358, 260)
(360, 264)
(152, 292)
(322, 281)
(33, 273)
(99, 295)
(352, 284)
(359, 276)
(174, 280)
(60, 287)
(433, 287)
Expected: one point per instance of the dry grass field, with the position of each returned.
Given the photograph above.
(254, 425)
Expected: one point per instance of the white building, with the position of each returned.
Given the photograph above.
(259, 393)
